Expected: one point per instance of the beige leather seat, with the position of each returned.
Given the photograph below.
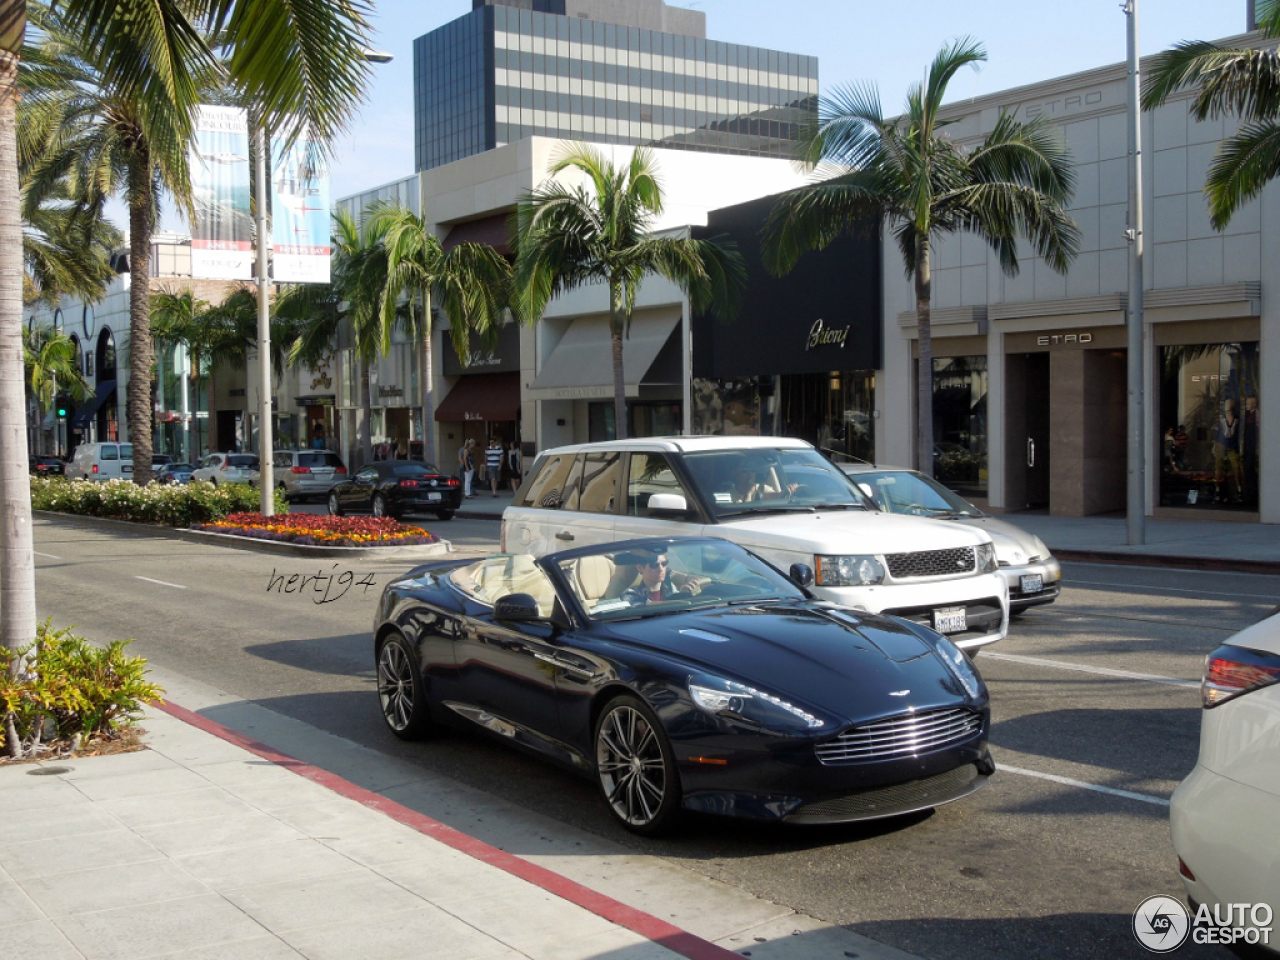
(593, 576)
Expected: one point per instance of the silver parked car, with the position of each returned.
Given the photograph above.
(306, 473)
(1031, 571)
(226, 468)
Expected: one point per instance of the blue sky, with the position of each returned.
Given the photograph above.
(889, 44)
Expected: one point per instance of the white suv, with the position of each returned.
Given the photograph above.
(778, 497)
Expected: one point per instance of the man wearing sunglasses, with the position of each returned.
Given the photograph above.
(657, 581)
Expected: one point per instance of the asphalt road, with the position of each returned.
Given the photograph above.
(1096, 719)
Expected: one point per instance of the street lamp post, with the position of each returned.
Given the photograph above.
(266, 422)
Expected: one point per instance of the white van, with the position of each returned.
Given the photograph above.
(778, 497)
(101, 461)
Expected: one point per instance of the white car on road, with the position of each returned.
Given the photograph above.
(1224, 814)
(778, 497)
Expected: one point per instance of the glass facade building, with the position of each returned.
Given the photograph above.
(504, 72)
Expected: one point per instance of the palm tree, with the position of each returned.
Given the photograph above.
(65, 251)
(52, 366)
(472, 282)
(1239, 82)
(567, 237)
(350, 306)
(292, 58)
(905, 174)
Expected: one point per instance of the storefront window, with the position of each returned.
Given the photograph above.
(960, 424)
(833, 411)
(661, 419)
(1209, 414)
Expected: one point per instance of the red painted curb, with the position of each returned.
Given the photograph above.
(637, 921)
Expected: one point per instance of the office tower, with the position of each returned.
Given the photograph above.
(605, 71)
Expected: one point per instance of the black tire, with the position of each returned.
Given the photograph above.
(335, 508)
(401, 692)
(444, 514)
(380, 507)
(636, 768)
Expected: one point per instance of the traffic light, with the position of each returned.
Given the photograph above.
(62, 405)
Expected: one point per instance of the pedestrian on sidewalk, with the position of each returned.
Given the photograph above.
(513, 465)
(493, 465)
(467, 466)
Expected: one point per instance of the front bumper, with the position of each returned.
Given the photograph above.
(984, 598)
(1050, 573)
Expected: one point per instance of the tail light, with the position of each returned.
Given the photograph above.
(408, 483)
(95, 468)
(225, 464)
(300, 469)
(340, 470)
(1232, 671)
(453, 482)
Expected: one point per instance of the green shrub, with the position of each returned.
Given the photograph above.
(175, 505)
(62, 691)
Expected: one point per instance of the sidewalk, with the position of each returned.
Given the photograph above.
(210, 845)
(1202, 544)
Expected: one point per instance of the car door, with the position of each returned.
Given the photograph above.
(358, 495)
(650, 473)
(547, 517)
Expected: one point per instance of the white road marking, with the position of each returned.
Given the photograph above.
(1067, 781)
(1100, 671)
(47, 556)
(163, 583)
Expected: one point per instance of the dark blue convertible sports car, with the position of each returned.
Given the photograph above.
(686, 674)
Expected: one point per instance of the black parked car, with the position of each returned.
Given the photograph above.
(174, 473)
(47, 466)
(686, 674)
(392, 488)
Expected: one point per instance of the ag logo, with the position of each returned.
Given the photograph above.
(1161, 924)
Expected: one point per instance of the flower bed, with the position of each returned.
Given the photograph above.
(174, 505)
(310, 529)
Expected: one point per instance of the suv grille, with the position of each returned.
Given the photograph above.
(906, 735)
(931, 563)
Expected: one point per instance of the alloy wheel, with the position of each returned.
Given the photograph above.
(635, 768)
(396, 686)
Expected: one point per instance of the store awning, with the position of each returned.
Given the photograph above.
(581, 366)
(482, 396)
(104, 391)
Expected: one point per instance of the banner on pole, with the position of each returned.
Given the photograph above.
(299, 213)
(222, 235)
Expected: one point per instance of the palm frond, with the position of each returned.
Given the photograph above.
(1244, 164)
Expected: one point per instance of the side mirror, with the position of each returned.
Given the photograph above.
(802, 574)
(518, 608)
(668, 504)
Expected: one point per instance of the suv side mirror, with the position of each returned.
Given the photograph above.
(518, 608)
(672, 505)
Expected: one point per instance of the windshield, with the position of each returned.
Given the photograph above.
(651, 578)
(902, 491)
(762, 480)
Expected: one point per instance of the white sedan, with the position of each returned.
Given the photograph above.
(1224, 815)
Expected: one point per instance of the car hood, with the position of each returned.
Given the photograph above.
(841, 661)
(851, 532)
(1014, 546)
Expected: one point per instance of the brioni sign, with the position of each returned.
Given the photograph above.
(821, 336)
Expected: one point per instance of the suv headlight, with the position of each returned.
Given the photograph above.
(985, 554)
(847, 571)
(727, 698)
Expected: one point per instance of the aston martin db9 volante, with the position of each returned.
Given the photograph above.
(686, 674)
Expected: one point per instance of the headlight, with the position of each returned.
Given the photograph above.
(986, 557)
(726, 698)
(851, 571)
(957, 662)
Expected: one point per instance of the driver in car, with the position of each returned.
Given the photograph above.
(657, 581)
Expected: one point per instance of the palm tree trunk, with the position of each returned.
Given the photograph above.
(17, 546)
(211, 408)
(924, 369)
(141, 217)
(365, 427)
(426, 384)
(619, 377)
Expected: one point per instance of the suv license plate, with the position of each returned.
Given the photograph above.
(949, 620)
(1032, 583)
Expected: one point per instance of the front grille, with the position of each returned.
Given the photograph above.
(931, 563)
(906, 735)
(900, 797)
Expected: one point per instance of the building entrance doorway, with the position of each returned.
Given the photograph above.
(1027, 451)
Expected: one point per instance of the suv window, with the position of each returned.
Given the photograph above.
(243, 460)
(599, 482)
(319, 460)
(745, 481)
(548, 486)
(651, 473)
